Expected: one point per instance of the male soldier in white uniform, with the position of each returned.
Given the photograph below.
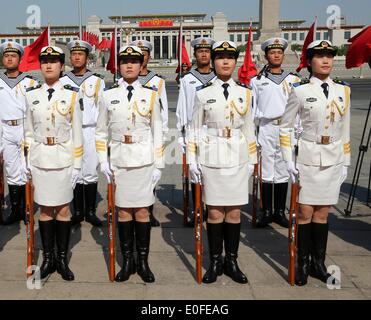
(188, 87)
(271, 89)
(149, 78)
(91, 87)
(13, 85)
(323, 106)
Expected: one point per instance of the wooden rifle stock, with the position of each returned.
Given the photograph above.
(293, 231)
(198, 234)
(255, 194)
(111, 217)
(1, 187)
(30, 223)
(185, 179)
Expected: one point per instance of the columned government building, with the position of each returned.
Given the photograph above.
(162, 30)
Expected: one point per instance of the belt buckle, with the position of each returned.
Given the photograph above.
(128, 139)
(50, 141)
(227, 133)
(13, 123)
(325, 139)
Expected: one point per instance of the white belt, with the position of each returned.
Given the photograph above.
(129, 138)
(51, 141)
(319, 139)
(13, 123)
(224, 133)
(276, 121)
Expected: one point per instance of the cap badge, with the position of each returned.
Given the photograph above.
(225, 45)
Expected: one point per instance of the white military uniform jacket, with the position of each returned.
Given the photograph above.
(133, 130)
(186, 100)
(54, 128)
(325, 140)
(155, 81)
(222, 133)
(271, 93)
(91, 87)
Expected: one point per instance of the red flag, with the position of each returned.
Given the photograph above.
(248, 69)
(308, 39)
(112, 62)
(30, 59)
(104, 44)
(359, 51)
(185, 57)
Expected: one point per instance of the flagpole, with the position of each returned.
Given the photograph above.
(115, 39)
(180, 47)
(49, 39)
(80, 17)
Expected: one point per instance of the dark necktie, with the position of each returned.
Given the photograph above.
(325, 89)
(130, 94)
(50, 93)
(226, 93)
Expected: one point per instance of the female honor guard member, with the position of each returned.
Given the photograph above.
(188, 84)
(323, 106)
(130, 123)
(222, 148)
(91, 87)
(149, 78)
(54, 136)
(271, 89)
(13, 85)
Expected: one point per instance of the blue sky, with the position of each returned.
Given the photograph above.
(65, 11)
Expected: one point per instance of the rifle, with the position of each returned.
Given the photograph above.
(1, 187)
(111, 219)
(293, 227)
(30, 222)
(185, 180)
(255, 194)
(198, 233)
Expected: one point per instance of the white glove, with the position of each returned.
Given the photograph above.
(344, 175)
(183, 143)
(292, 170)
(25, 171)
(156, 176)
(195, 172)
(76, 174)
(251, 169)
(105, 169)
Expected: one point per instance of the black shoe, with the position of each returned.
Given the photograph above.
(126, 235)
(47, 232)
(303, 252)
(318, 252)
(63, 231)
(142, 235)
(265, 215)
(78, 204)
(22, 204)
(154, 222)
(90, 193)
(215, 240)
(262, 219)
(15, 193)
(280, 194)
(231, 244)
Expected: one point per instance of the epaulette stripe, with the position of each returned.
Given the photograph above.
(151, 88)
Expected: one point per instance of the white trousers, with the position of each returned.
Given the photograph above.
(274, 168)
(90, 157)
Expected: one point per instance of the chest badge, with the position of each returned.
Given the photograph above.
(211, 101)
(36, 102)
(192, 82)
(115, 102)
(265, 83)
(311, 99)
(143, 101)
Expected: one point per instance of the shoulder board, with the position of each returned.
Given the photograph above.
(183, 75)
(243, 85)
(160, 76)
(99, 75)
(115, 85)
(204, 86)
(33, 88)
(30, 77)
(295, 74)
(338, 81)
(69, 87)
(150, 88)
(304, 81)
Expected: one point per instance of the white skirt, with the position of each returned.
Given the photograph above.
(226, 186)
(319, 185)
(134, 187)
(52, 186)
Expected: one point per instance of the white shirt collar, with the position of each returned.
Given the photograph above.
(319, 81)
(57, 85)
(135, 84)
(220, 82)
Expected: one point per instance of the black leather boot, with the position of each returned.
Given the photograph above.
(142, 237)
(280, 194)
(318, 252)
(78, 204)
(22, 203)
(47, 232)
(15, 204)
(303, 252)
(63, 231)
(126, 235)
(90, 193)
(154, 222)
(231, 244)
(215, 239)
(265, 216)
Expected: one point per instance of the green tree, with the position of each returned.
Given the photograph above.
(296, 47)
